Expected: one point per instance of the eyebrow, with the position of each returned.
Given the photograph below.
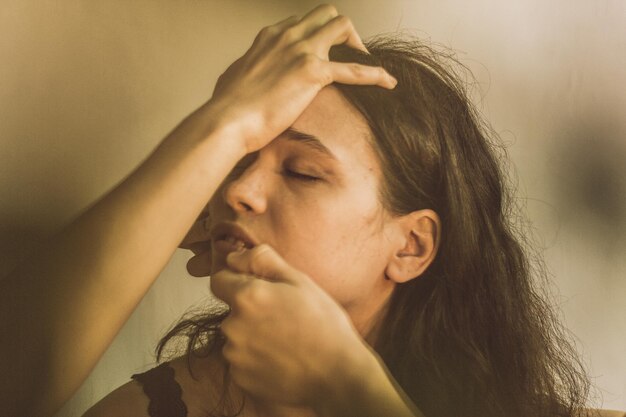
(309, 140)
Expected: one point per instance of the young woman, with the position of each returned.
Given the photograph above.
(393, 203)
(362, 243)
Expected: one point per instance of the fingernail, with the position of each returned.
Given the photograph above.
(394, 81)
(231, 257)
(237, 252)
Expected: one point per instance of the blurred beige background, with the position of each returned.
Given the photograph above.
(88, 88)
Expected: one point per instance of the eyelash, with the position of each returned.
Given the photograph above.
(301, 177)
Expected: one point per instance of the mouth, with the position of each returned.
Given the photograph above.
(229, 236)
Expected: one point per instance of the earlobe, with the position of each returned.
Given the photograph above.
(420, 235)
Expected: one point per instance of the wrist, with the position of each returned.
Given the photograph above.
(364, 387)
(348, 381)
(229, 122)
(209, 128)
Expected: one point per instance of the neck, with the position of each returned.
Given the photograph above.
(368, 319)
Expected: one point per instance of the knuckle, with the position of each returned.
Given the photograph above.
(344, 21)
(288, 36)
(252, 297)
(258, 297)
(324, 77)
(357, 70)
(307, 62)
(330, 9)
(299, 48)
(265, 33)
(241, 298)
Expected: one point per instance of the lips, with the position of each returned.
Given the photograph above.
(229, 236)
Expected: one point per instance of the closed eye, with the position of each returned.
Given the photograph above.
(300, 176)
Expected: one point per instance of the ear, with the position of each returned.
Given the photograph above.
(418, 239)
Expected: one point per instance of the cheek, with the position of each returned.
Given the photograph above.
(338, 250)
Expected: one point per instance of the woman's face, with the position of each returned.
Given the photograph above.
(334, 227)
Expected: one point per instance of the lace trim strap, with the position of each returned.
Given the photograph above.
(163, 391)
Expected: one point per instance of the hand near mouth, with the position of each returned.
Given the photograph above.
(287, 339)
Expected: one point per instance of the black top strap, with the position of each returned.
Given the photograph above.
(163, 391)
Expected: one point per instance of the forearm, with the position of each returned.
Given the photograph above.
(67, 305)
(367, 389)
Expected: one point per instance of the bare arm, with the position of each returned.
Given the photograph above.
(366, 388)
(66, 308)
(59, 314)
(346, 378)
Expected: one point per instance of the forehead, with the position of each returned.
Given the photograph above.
(340, 127)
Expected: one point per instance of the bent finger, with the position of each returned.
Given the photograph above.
(285, 23)
(225, 284)
(317, 17)
(269, 32)
(262, 261)
(358, 74)
(340, 30)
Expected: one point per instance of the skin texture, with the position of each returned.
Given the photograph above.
(258, 97)
(266, 89)
(332, 229)
(329, 240)
(325, 246)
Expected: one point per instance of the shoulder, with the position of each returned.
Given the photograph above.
(597, 412)
(611, 413)
(201, 389)
(127, 400)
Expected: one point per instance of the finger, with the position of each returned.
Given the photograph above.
(313, 20)
(357, 74)
(340, 30)
(286, 23)
(200, 265)
(269, 32)
(225, 284)
(263, 261)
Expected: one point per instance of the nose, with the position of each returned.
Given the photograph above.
(245, 187)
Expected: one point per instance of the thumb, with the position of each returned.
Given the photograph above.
(225, 284)
(265, 262)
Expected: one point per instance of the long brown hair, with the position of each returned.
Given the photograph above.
(475, 334)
